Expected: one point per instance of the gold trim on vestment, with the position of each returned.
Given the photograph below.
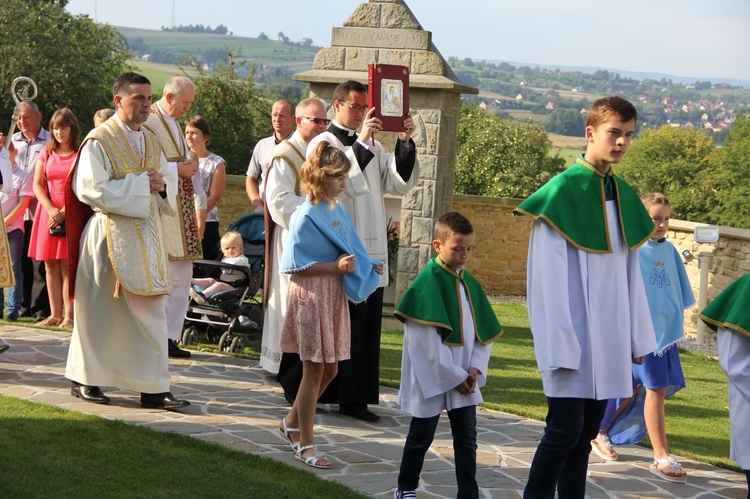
(7, 279)
(181, 235)
(143, 272)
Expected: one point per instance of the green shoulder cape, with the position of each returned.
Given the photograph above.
(434, 299)
(573, 203)
(730, 309)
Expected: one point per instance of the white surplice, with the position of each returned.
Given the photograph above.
(430, 371)
(734, 359)
(363, 196)
(281, 201)
(121, 341)
(588, 312)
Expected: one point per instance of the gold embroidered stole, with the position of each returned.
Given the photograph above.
(181, 229)
(293, 156)
(136, 246)
(7, 279)
(290, 153)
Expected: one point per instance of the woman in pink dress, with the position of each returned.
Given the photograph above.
(51, 170)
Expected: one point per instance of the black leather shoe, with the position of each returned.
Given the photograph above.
(91, 394)
(167, 402)
(3, 346)
(177, 352)
(11, 317)
(358, 412)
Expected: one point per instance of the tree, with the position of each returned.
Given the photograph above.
(73, 60)
(732, 166)
(501, 158)
(228, 101)
(262, 36)
(676, 162)
(566, 122)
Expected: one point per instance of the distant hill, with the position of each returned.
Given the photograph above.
(173, 46)
(638, 75)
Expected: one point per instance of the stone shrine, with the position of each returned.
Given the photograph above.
(386, 32)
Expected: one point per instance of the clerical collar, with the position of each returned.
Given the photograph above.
(341, 129)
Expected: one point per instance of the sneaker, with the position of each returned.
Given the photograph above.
(404, 494)
(197, 296)
(11, 317)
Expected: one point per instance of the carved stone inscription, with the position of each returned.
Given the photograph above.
(391, 38)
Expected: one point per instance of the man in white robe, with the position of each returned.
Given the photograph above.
(373, 174)
(283, 196)
(183, 230)
(120, 334)
(587, 303)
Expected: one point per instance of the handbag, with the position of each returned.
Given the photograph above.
(58, 230)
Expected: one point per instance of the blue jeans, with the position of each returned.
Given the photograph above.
(422, 431)
(15, 246)
(563, 454)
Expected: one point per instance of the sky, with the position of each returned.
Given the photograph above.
(706, 39)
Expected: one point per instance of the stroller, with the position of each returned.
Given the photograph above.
(231, 317)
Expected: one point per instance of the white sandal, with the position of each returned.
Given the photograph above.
(602, 442)
(314, 459)
(674, 466)
(286, 433)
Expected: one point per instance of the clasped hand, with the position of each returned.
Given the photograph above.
(56, 217)
(156, 181)
(469, 385)
(187, 168)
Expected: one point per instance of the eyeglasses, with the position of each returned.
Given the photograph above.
(355, 107)
(318, 121)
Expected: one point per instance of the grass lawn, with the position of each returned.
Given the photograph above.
(46, 451)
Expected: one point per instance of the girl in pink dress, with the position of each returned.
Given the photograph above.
(328, 265)
(52, 167)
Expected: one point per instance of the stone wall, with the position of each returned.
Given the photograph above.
(499, 260)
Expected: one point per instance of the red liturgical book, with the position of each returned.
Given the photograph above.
(388, 93)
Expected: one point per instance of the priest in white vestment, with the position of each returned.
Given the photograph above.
(183, 230)
(282, 197)
(374, 173)
(122, 277)
(588, 309)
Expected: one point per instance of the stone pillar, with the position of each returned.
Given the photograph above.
(386, 32)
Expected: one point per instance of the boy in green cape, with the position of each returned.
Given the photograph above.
(449, 327)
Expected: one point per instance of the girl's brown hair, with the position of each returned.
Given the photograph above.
(201, 124)
(325, 162)
(62, 118)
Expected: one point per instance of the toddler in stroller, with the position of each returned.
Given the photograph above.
(223, 302)
(231, 248)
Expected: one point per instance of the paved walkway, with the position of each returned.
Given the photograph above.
(236, 404)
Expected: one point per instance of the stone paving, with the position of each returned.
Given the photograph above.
(235, 403)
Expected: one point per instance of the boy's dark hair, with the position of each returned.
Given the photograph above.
(125, 81)
(605, 108)
(342, 91)
(452, 223)
(651, 198)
